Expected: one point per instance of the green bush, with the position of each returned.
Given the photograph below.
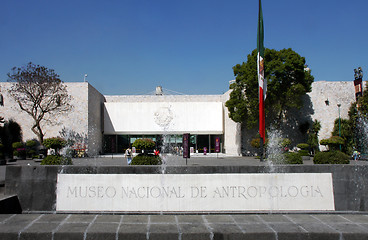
(324, 142)
(293, 158)
(333, 142)
(19, 150)
(256, 142)
(54, 143)
(16, 145)
(285, 142)
(144, 143)
(15, 153)
(303, 146)
(331, 157)
(31, 153)
(31, 144)
(56, 160)
(144, 159)
(303, 152)
(31, 148)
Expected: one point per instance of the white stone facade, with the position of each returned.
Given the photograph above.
(196, 114)
(84, 118)
(327, 112)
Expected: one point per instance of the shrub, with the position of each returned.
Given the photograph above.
(31, 148)
(56, 160)
(19, 150)
(285, 142)
(331, 157)
(16, 145)
(333, 142)
(31, 144)
(54, 143)
(293, 158)
(143, 159)
(145, 144)
(15, 153)
(324, 142)
(303, 152)
(303, 146)
(256, 142)
(31, 153)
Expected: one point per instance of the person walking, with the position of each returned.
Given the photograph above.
(128, 154)
(355, 155)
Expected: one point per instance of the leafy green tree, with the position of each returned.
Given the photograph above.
(56, 143)
(346, 130)
(352, 129)
(145, 144)
(313, 136)
(287, 82)
(363, 102)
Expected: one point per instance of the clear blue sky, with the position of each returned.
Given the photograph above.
(130, 46)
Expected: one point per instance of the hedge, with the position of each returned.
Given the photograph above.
(331, 157)
(293, 158)
(56, 160)
(144, 159)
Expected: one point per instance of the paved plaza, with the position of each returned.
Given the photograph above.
(181, 227)
(252, 225)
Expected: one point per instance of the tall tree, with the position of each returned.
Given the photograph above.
(354, 129)
(288, 81)
(40, 93)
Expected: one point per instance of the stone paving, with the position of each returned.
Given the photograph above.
(259, 226)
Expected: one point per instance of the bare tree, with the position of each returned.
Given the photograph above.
(40, 93)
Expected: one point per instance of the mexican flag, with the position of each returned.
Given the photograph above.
(261, 81)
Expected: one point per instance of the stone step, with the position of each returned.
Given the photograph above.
(9, 204)
(239, 226)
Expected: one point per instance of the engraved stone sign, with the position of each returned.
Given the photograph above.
(195, 192)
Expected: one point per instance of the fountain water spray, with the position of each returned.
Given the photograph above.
(163, 118)
(274, 152)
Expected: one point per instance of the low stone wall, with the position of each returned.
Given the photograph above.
(36, 185)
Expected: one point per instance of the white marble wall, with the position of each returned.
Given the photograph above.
(95, 120)
(336, 93)
(76, 119)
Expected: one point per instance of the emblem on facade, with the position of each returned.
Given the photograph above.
(163, 116)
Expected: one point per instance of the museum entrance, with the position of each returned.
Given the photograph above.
(170, 143)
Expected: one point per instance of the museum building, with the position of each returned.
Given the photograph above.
(111, 123)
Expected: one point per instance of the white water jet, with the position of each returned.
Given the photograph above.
(362, 133)
(274, 153)
(163, 118)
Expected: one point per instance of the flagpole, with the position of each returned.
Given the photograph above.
(261, 81)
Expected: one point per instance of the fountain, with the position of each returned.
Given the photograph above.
(274, 154)
(190, 189)
(362, 135)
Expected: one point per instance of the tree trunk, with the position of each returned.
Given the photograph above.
(36, 129)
